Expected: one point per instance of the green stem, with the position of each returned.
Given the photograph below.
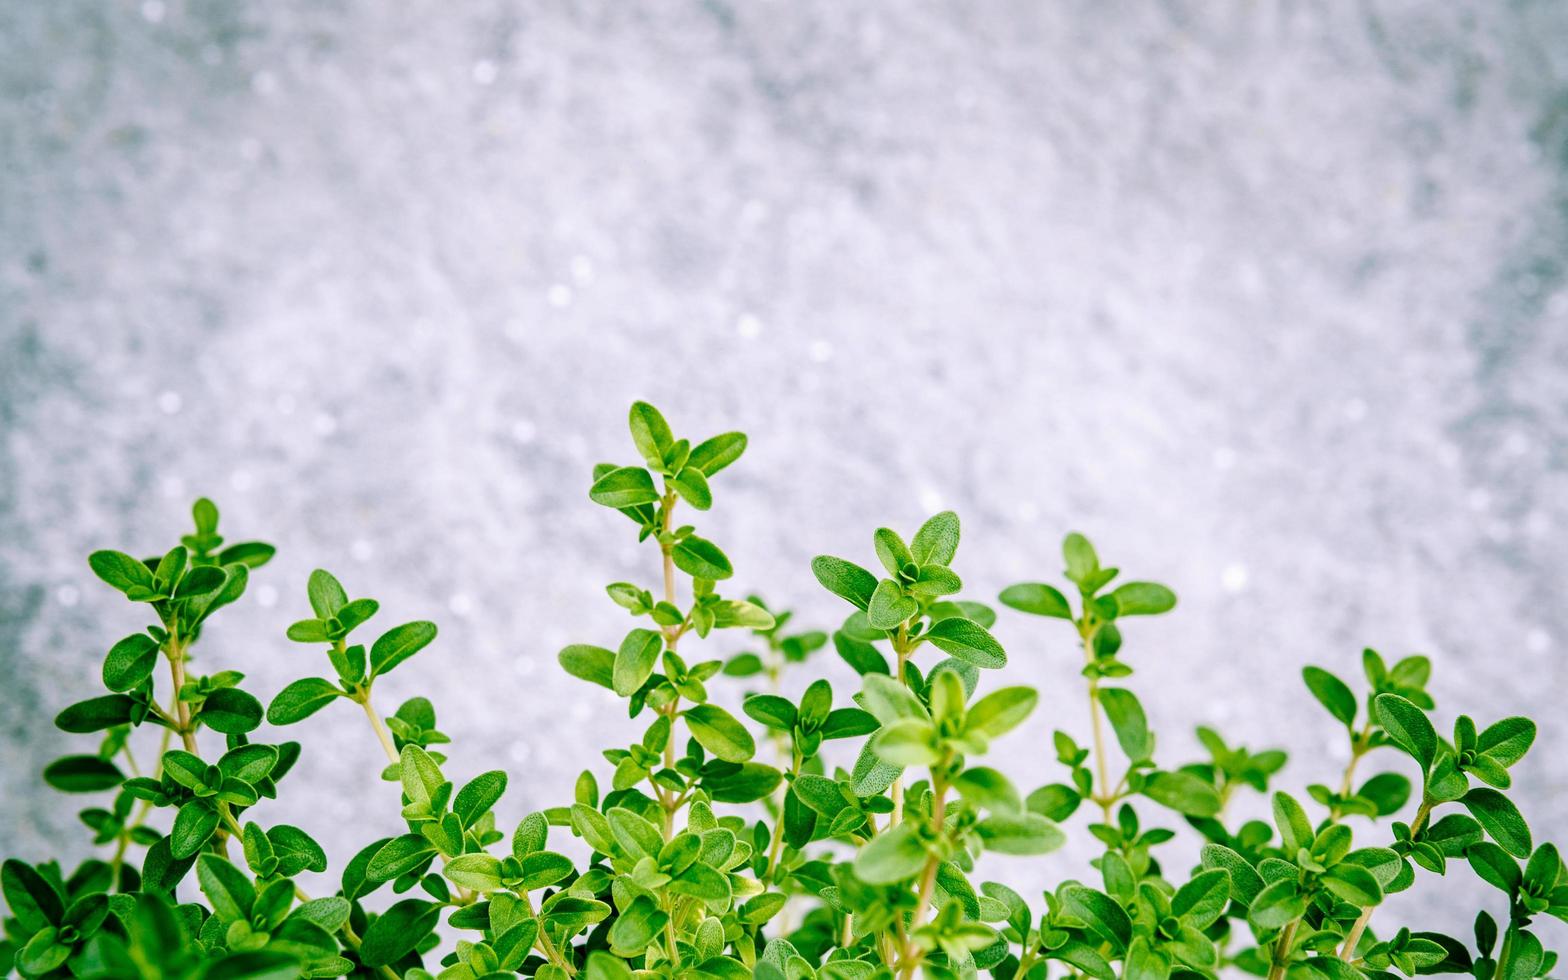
(911, 957)
(1282, 951)
(1104, 796)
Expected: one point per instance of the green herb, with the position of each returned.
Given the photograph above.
(838, 834)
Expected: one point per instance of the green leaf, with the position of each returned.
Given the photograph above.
(259, 964)
(397, 931)
(231, 711)
(717, 731)
(891, 550)
(968, 641)
(891, 857)
(771, 710)
(910, 742)
(1019, 833)
(701, 558)
(1038, 599)
(420, 775)
(1183, 792)
(1103, 914)
(193, 825)
(130, 662)
(889, 606)
(83, 774)
(1493, 865)
(1129, 722)
(635, 660)
(228, 889)
(326, 594)
(1333, 693)
(937, 540)
(1001, 711)
(1501, 818)
(96, 714)
(627, 486)
(847, 723)
(596, 665)
(1055, 801)
(121, 571)
(845, 579)
(398, 644)
(544, 868)
(712, 455)
(1277, 905)
(1387, 791)
(300, 700)
(985, 788)
(1353, 884)
(637, 926)
(479, 872)
(476, 798)
(752, 782)
(31, 898)
(1295, 830)
(1507, 741)
(399, 856)
(1408, 726)
(889, 701)
(1082, 562)
(650, 433)
(693, 488)
(1143, 599)
(1203, 899)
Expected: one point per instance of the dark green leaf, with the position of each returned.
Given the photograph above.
(712, 455)
(231, 711)
(1501, 819)
(624, 487)
(83, 774)
(635, 660)
(845, 579)
(1333, 693)
(701, 558)
(596, 665)
(397, 931)
(398, 644)
(96, 714)
(1408, 726)
(300, 700)
(1143, 599)
(968, 641)
(130, 662)
(717, 731)
(1037, 598)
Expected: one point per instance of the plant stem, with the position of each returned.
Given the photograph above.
(542, 940)
(910, 959)
(1105, 796)
(1354, 935)
(379, 728)
(182, 711)
(672, 634)
(1357, 741)
(1282, 951)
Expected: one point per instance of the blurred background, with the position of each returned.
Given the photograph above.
(1267, 298)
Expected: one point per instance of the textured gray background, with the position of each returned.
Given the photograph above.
(1268, 298)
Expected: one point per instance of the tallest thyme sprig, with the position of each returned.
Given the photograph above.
(860, 853)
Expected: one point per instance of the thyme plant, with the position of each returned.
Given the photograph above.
(841, 835)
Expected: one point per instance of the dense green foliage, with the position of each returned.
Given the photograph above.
(724, 844)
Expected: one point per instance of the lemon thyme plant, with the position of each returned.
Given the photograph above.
(841, 835)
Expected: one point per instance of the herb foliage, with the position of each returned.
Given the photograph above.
(724, 844)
